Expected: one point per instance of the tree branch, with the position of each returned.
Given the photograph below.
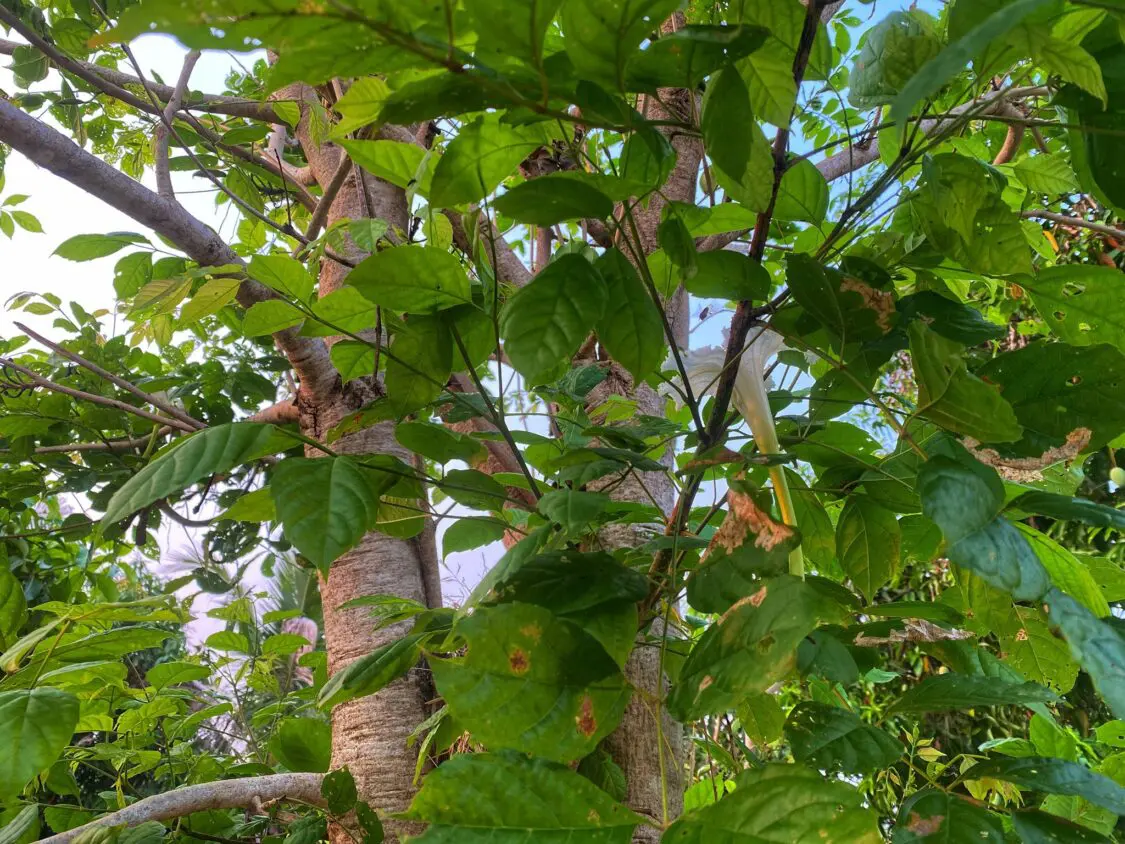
(1064, 220)
(55, 152)
(325, 205)
(108, 445)
(215, 103)
(47, 384)
(148, 398)
(509, 266)
(223, 794)
(163, 175)
(281, 413)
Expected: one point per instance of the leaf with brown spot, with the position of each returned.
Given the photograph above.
(532, 682)
(933, 816)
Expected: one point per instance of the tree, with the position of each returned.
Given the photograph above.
(435, 197)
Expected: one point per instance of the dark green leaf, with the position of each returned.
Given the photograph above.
(1054, 776)
(474, 489)
(13, 606)
(438, 442)
(761, 718)
(868, 544)
(532, 682)
(950, 692)
(418, 279)
(516, 799)
(575, 511)
(779, 803)
(603, 35)
(468, 533)
(631, 329)
(35, 726)
(545, 322)
(830, 738)
(553, 198)
(725, 577)
(894, 50)
(936, 817)
(419, 363)
(949, 318)
(683, 58)
(727, 122)
(1080, 303)
(568, 582)
(338, 790)
(211, 451)
(803, 193)
(303, 744)
(725, 274)
(1035, 827)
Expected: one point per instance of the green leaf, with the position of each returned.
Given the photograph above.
(778, 802)
(769, 79)
(255, 506)
(22, 827)
(228, 640)
(1080, 303)
(396, 162)
(532, 682)
(1049, 174)
(511, 29)
(725, 274)
(418, 279)
(270, 316)
(631, 330)
(553, 198)
(35, 726)
(87, 247)
(951, 397)
(950, 692)
(327, 506)
(1040, 656)
(868, 544)
(684, 58)
(438, 442)
(761, 718)
(752, 646)
(569, 582)
(352, 359)
(339, 791)
(727, 122)
(303, 744)
(474, 489)
(545, 322)
(1035, 827)
(951, 319)
(484, 153)
(803, 193)
(131, 273)
(603, 35)
(940, 69)
(937, 817)
(13, 606)
(419, 363)
(575, 511)
(830, 738)
(1055, 389)
(283, 274)
(1098, 647)
(211, 451)
(372, 672)
(893, 51)
(516, 799)
(727, 576)
(209, 299)
(468, 533)
(963, 500)
(360, 104)
(1053, 776)
(1066, 572)
(342, 310)
(175, 673)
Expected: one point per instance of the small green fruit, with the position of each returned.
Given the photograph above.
(1117, 475)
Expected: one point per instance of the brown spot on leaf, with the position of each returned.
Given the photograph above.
(1026, 469)
(585, 719)
(743, 518)
(924, 826)
(532, 632)
(1021, 635)
(914, 630)
(882, 302)
(518, 660)
(706, 682)
(593, 817)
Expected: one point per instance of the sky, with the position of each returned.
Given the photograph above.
(65, 211)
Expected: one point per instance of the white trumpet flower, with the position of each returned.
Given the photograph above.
(704, 367)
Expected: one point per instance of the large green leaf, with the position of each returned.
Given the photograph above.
(682, 59)
(303, 744)
(1053, 776)
(209, 452)
(532, 682)
(602, 35)
(419, 363)
(830, 738)
(484, 153)
(1032, 649)
(1068, 508)
(1099, 648)
(868, 544)
(553, 198)
(35, 725)
(418, 279)
(1081, 303)
(1035, 827)
(780, 803)
(963, 499)
(1056, 388)
(396, 162)
(511, 29)
(937, 817)
(728, 124)
(546, 321)
(438, 442)
(326, 506)
(631, 328)
(952, 397)
(726, 576)
(1066, 572)
(515, 800)
(950, 692)
(13, 606)
(283, 274)
(936, 72)
(802, 194)
(87, 247)
(752, 646)
(568, 582)
(893, 51)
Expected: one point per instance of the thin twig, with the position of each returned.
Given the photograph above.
(163, 173)
(148, 398)
(1078, 222)
(320, 215)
